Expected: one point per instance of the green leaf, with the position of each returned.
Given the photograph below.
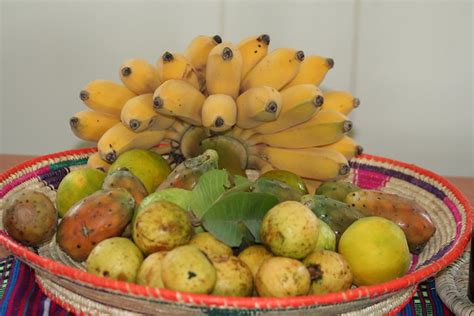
(210, 186)
(222, 219)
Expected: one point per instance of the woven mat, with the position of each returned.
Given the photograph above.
(20, 295)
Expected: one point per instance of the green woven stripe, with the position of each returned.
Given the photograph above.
(5, 265)
(68, 163)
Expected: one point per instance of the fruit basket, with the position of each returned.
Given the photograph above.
(66, 282)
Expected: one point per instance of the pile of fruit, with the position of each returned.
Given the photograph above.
(262, 109)
(167, 201)
(201, 229)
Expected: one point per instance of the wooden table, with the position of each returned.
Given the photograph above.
(465, 184)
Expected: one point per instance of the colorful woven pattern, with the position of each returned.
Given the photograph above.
(449, 209)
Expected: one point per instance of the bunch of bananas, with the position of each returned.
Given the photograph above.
(259, 109)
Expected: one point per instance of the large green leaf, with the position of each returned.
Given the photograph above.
(223, 218)
(210, 187)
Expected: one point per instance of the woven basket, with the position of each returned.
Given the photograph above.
(66, 282)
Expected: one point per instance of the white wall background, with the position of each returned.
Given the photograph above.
(410, 62)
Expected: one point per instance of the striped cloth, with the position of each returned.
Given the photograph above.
(20, 295)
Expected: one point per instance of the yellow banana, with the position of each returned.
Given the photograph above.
(105, 96)
(314, 163)
(312, 185)
(91, 125)
(324, 128)
(299, 104)
(119, 139)
(138, 115)
(253, 49)
(176, 66)
(223, 71)
(257, 105)
(313, 69)
(139, 76)
(341, 101)
(94, 161)
(346, 146)
(179, 99)
(257, 163)
(275, 70)
(219, 112)
(198, 51)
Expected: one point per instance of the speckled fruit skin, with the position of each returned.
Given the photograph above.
(329, 272)
(336, 190)
(187, 269)
(102, 215)
(160, 226)
(376, 250)
(116, 258)
(122, 178)
(210, 245)
(290, 229)
(282, 277)
(234, 277)
(290, 178)
(30, 218)
(254, 256)
(149, 272)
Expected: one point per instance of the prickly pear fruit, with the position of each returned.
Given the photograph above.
(149, 272)
(186, 174)
(123, 178)
(407, 214)
(102, 215)
(280, 189)
(211, 246)
(117, 258)
(288, 177)
(337, 190)
(161, 225)
(336, 214)
(234, 277)
(30, 217)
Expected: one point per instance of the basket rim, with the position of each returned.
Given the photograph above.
(205, 300)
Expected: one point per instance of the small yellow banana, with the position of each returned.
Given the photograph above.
(91, 125)
(257, 105)
(346, 146)
(313, 70)
(326, 127)
(223, 71)
(275, 70)
(106, 96)
(314, 163)
(299, 104)
(176, 66)
(198, 51)
(253, 49)
(138, 115)
(94, 161)
(179, 99)
(341, 101)
(119, 139)
(139, 76)
(219, 112)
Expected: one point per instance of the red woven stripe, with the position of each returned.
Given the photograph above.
(264, 303)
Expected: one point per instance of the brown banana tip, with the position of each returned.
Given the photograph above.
(84, 95)
(157, 103)
(126, 71)
(219, 122)
(318, 101)
(111, 157)
(217, 39)
(359, 150)
(167, 57)
(271, 107)
(227, 53)
(264, 38)
(355, 103)
(74, 122)
(347, 126)
(300, 55)
(134, 124)
(330, 62)
(344, 170)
